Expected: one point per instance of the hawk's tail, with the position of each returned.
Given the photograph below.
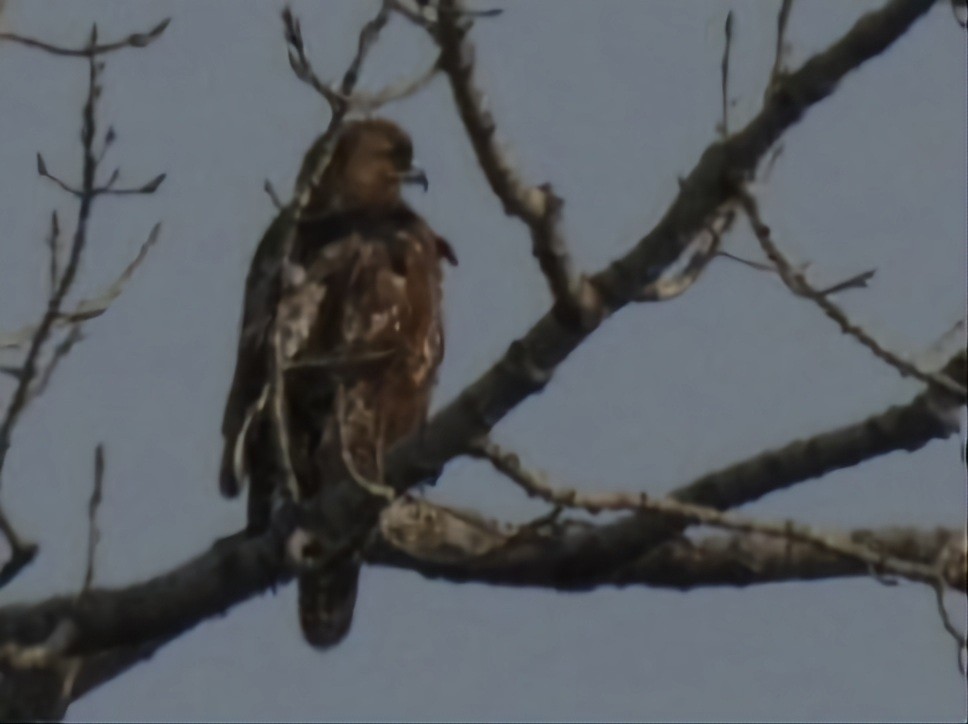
(326, 601)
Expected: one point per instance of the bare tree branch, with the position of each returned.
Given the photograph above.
(527, 366)
(798, 284)
(535, 485)
(93, 532)
(437, 541)
(107, 189)
(343, 100)
(22, 393)
(858, 281)
(28, 385)
(301, 66)
(92, 48)
(88, 308)
(368, 37)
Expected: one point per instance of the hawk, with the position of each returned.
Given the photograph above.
(350, 321)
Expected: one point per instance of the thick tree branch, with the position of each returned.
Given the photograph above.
(163, 606)
(535, 485)
(231, 572)
(463, 547)
(537, 206)
(455, 545)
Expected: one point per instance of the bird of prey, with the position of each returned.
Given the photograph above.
(349, 318)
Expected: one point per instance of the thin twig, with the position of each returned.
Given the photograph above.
(53, 251)
(958, 636)
(798, 284)
(367, 39)
(363, 102)
(92, 307)
(758, 265)
(341, 99)
(344, 100)
(300, 64)
(21, 552)
(857, 281)
(114, 618)
(782, 18)
(61, 350)
(148, 188)
(135, 40)
(273, 196)
(107, 189)
(93, 532)
(724, 67)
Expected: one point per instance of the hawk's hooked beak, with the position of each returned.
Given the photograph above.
(415, 175)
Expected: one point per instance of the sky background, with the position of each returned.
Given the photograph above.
(611, 101)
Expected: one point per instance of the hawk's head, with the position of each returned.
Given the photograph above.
(371, 161)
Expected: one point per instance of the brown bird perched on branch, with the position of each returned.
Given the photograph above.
(348, 324)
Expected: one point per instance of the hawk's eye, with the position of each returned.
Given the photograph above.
(402, 154)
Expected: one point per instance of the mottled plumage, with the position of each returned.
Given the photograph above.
(354, 314)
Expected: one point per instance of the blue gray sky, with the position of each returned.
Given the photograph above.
(611, 101)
